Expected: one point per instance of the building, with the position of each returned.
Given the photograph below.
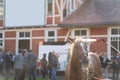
(29, 37)
(63, 18)
(97, 19)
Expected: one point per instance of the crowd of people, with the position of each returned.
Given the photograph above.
(19, 64)
(25, 62)
(112, 64)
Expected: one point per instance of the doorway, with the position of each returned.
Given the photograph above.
(24, 44)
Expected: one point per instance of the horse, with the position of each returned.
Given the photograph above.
(77, 70)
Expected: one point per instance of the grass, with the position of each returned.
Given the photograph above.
(38, 78)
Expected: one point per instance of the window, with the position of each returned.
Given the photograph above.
(24, 34)
(64, 12)
(115, 39)
(51, 40)
(51, 36)
(1, 42)
(50, 7)
(114, 31)
(27, 34)
(51, 33)
(21, 34)
(1, 35)
(1, 9)
(82, 33)
(1, 39)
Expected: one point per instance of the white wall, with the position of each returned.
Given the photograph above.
(24, 13)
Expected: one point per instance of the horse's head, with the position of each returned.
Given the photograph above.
(78, 47)
(81, 42)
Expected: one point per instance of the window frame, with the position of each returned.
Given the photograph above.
(2, 10)
(24, 34)
(84, 36)
(49, 12)
(115, 38)
(2, 39)
(47, 37)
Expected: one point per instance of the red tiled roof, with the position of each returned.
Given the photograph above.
(94, 12)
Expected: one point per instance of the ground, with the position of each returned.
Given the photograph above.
(11, 77)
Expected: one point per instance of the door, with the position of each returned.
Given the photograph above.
(24, 44)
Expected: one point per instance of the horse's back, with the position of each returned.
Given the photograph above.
(94, 64)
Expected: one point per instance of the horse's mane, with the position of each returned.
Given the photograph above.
(74, 64)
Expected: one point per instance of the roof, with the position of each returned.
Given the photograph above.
(94, 12)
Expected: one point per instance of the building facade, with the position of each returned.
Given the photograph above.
(60, 22)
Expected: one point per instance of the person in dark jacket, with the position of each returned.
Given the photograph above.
(116, 66)
(50, 65)
(104, 63)
(7, 62)
(1, 60)
(54, 64)
(31, 61)
(44, 66)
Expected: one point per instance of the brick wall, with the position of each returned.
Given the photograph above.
(35, 46)
(10, 45)
(9, 34)
(37, 33)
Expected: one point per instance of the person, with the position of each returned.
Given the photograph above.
(49, 65)
(1, 60)
(12, 61)
(116, 66)
(25, 66)
(44, 66)
(104, 63)
(19, 62)
(38, 68)
(31, 59)
(54, 64)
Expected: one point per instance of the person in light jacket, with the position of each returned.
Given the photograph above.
(31, 59)
(19, 62)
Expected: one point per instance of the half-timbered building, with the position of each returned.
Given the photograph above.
(63, 18)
